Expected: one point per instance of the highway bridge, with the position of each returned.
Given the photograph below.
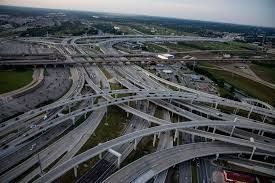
(56, 62)
(237, 136)
(58, 171)
(148, 166)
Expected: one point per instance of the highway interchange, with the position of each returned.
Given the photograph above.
(42, 144)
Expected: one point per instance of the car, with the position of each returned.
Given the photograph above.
(219, 114)
(32, 126)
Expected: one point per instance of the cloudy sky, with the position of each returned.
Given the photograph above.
(250, 12)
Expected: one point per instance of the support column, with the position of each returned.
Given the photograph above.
(216, 105)
(217, 156)
(253, 151)
(116, 95)
(92, 101)
(73, 120)
(118, 161)
(262, 133)
(154, 141)
(248, 116)
(176, 136)
(264, 119)
(85, 115)
(117, 154)
(75, 171)
(214, 133)
(233, 127)
(106, 116)
(232, 131)
(69, 106)
(135, 144)
(159, 135)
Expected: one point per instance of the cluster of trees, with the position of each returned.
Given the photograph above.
(107, 28)
(220, 82)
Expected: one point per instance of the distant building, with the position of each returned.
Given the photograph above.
(166, 56)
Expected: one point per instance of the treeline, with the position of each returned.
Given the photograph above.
(66, 28)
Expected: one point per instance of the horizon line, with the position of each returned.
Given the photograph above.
(134, 14)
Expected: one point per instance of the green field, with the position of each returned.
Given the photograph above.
(186, 46)
(252, 88)
(155, 48)
(265, 73)
(14, 79)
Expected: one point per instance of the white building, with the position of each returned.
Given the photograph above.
(166, 56)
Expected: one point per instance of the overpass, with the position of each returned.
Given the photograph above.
(115, 61)
(145, 168)
(140, 95)
(60, 170)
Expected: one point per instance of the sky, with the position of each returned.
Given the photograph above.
(248, 12)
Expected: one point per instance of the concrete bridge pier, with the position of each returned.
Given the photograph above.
(106, 115)
(216, 105)
(73, 120)
(214, 130)
(232, 131)
(217, 156)
(135, 144)
(85, 115)
(92, 101)
(264, 119)
(253, 151)
(118, 155)
(262, 134)
(176, 136)
(233, 127)
(154, 141)
(248, 116)
(75, 171)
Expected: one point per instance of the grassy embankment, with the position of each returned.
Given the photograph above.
(14, 79)
(264, 72)
(250, 87)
